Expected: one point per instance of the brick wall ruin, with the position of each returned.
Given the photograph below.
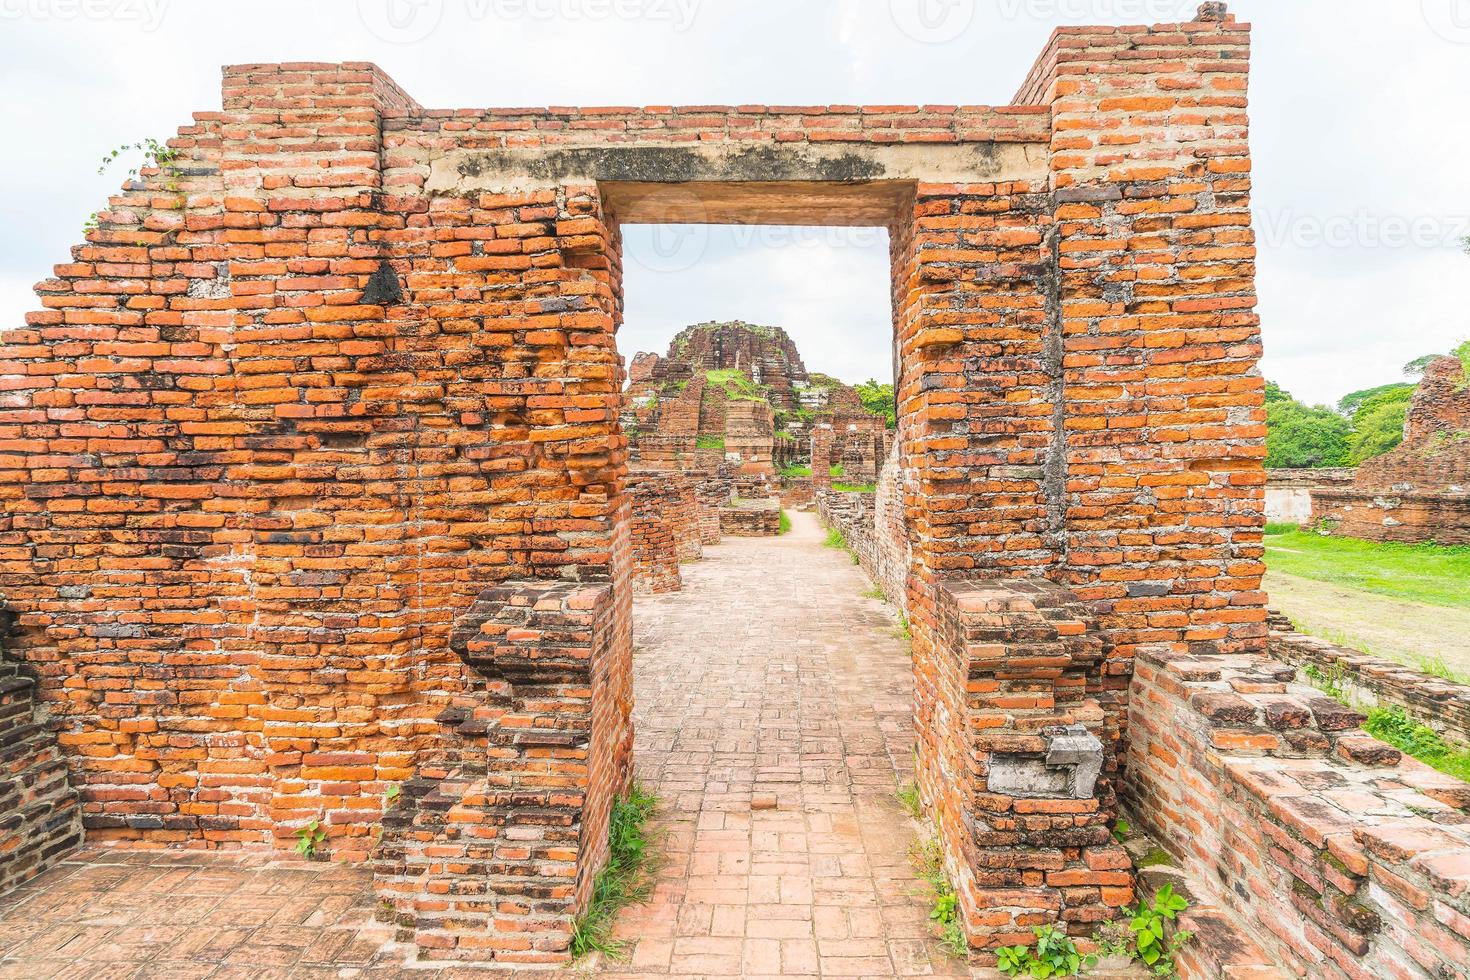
(1419, 491)
(1289, 492)
(1440, 704)
(1330, 853)
(655, 542)
(873, 526)
(347, 375)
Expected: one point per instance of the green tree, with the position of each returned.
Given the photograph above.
(1302, 436)
(1378, 423)
(878, 399)
(1275, 394)
(1350, 404)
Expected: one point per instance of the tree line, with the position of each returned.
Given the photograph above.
(1362, 425)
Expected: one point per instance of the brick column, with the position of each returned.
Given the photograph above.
(1164, 422)
(1021, 759)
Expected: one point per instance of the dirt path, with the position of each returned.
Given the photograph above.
(1406, 632)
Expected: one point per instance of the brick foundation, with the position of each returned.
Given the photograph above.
(1333, 855)
(759, 518)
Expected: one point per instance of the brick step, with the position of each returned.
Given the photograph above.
(1256, 706)
(1222, 947)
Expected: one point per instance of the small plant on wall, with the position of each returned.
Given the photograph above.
(310, 838)
(160, 155)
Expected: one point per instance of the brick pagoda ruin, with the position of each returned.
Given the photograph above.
(315, 484)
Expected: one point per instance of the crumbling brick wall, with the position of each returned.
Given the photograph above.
(655, 544)
(291, 410)
(1336, 856)
(1001, 717)
(1442, 705)
(491, 847)
(1420, 490)
(683, 516)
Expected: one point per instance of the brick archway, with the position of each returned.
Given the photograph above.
(315, 477)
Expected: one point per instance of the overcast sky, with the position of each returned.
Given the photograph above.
(1361, 138)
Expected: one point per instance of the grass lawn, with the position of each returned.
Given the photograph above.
(1427, 573)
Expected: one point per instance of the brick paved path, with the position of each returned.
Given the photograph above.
(772, 678)
(769, 681)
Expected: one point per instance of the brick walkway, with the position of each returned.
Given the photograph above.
(773, 720)
(772, 680)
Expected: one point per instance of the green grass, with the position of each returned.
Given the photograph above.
(785, 523)
(796, 471)
(709, 442)
(1436, 667)
(908, 798)
(836, 471)
(737, 384)
(929, 862)
(1432, 574)
(836, 540)
(626, 879)
(854, 487)
(1394, 726)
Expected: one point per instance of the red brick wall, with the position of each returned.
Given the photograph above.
(257, 466)
(491, 848)
(1164, 418)
(1389, 515)
(1419, 491)
(1020, 659)
(40, 815)
(1335, 856)
(655, 546)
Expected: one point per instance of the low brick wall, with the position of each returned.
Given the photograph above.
(1289, 492)
(654, 541)
(797, 492)
(751, 519)
(1440, 704)
(40, 814)
(1017, 759)
(873, 525)
(490, 851)
(1327, 852)
(712, 493)
(1387, 515)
